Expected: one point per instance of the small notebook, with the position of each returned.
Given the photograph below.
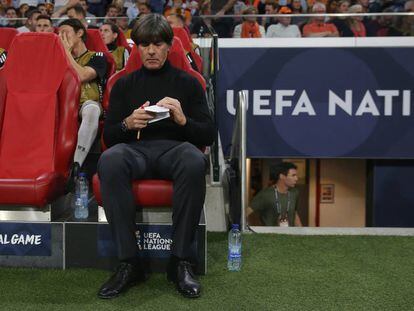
(160, 112)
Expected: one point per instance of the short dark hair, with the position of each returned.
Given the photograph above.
(76, 25)
(78, 9)
(31, 12)
(111, 6)
(114, 27)
(10, 8)
(152, 28)
(282, 168)
(45, 17)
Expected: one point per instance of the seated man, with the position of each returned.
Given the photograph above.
(44, 24)
(317, 27)
(277, 205)
(30, 23)
(283, 29)
(109, 33)
(91, 67)
(165, 149)
(3, 56)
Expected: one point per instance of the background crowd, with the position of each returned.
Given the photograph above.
(228, 18)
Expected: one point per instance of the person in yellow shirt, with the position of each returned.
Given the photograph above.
(109, 33)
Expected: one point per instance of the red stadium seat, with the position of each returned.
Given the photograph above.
(122, 41)
(95, 43)
(188, 47)
(6, 37)
(149, 193)
(40, 95)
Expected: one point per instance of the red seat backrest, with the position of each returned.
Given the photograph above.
(187, 42)
(122, 41)
(95, 43)
(184, 37)
(6, 37)
(176, 56)
(40, 110)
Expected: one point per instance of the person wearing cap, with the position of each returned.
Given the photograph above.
(317, 27)
(165, 149)
(250, 28)
(283, 29)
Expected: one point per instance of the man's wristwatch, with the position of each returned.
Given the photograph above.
(124, 126)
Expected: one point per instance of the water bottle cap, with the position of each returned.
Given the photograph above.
(82, 174)
(235, 226)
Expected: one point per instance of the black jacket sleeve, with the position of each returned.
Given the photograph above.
(199, 129)
(117, 112)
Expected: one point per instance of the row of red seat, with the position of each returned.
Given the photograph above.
(39, 101)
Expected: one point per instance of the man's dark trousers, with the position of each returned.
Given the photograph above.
(180, 162)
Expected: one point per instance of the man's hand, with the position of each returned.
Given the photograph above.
(67, 44)
(139, 118)
(176, 112)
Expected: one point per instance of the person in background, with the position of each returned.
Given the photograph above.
(271, 7)
(202, 27)
(11, 15)
(283, 29)
(317, 27)
(223, 26)
(297, 8)
(77, 12)
(140, 6)
(122, 23)
(277, 205)
(42, 9)
(178, 7)
(90, 18)
(92, 68)
(23, 9)
(112, 11)
(44, 24)
(341, 22)
(250, 28)
(30, 24)
(355, 22)
(109, 33)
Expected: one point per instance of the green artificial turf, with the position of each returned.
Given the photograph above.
(279, 272)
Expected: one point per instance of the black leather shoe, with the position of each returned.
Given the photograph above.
(73, 175)
(125, 276)
(182, 275)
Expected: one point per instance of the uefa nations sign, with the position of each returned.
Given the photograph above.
(320, 102)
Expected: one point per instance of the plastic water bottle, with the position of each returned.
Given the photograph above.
(81, 197)
(235, 248)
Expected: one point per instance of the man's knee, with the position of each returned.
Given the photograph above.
(112, 161)
(193, 161)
